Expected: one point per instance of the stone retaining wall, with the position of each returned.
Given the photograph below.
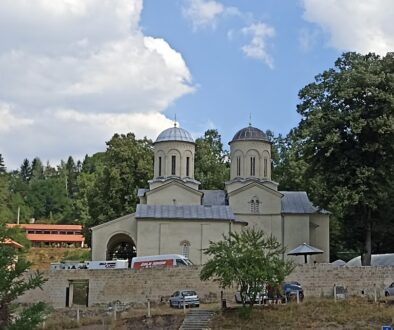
(136, 286)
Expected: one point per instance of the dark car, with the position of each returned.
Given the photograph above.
(185, 298)
(290, 290)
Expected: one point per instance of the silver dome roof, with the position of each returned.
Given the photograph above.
(175, 134)
(250, 133)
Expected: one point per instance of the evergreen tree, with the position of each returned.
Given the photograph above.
(25, 171)
(37, 170)
(3, 169)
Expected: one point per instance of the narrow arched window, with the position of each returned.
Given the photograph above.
(159, 166)
(238, 166)
(187, 165)
(265, 167)
(185, 248)
(173, 165)
(252, 166)
(254, 205)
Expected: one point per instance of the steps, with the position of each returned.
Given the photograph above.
(197, 319)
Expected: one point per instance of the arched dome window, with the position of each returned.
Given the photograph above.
(254, 205)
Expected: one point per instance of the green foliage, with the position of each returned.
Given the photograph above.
(211, 161)
(25, 171)
(12, 266)
(77, 255)
(2, 165)
(346, 139)
(248, 259)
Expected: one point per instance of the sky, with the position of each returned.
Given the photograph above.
(75, 72)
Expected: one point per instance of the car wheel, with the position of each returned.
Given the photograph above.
(386, 294)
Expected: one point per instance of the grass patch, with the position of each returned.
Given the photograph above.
(312, 314)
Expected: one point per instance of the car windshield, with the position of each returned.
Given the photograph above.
(189, 293)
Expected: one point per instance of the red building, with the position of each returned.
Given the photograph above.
(52, 235)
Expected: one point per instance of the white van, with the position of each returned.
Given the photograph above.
(108, 264)
(163, 260)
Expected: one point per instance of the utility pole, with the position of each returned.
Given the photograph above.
(18, 216)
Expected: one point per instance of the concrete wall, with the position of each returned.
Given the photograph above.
(166, 237)
(130, 286)
(173, 193)
(103, 233)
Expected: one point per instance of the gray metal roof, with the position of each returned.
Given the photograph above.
(297, 202)
(250, 133)
(175, 134)
(214, 197)
(376, 260)
(190, 212)
(141, 192)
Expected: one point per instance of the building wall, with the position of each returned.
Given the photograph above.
(320, 236)
(167, 237)
(102, 234)
(247, 149)
(181, 150)
(173, 194)
(131, 286)
(270, 201)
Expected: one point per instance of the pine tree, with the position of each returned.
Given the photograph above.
(2, 166)
(25, 171)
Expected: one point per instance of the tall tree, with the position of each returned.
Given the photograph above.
(211, 161)
(13, 284)
(346, 135)
(37, 170)
(25, 171)
(128, 166)
(3, 169)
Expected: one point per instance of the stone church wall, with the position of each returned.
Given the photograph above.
(135, 287)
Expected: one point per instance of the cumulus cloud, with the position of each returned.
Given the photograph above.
(356, 25)
(88, 56)
(257, 47)
(203, 13)
(207, 13)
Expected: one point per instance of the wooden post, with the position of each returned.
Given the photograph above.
(78, 315)
(149, 315)
(335, 292)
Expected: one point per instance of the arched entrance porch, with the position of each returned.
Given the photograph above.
(121, 246)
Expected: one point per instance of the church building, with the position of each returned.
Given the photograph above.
(175, 217)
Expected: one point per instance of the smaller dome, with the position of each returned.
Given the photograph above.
(250, 133)
(175, 134)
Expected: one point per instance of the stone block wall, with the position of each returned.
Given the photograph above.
(136, 286)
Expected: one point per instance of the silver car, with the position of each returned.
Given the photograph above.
(389, 291)
(185, 298)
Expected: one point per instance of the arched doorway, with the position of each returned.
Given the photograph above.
(121, 246)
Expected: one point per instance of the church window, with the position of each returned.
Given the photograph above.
(159, 166)
(254, 205)
(185, 248)
(265, 167)
(187, 165)
(252, 166)
(238, 166)
(173, 165)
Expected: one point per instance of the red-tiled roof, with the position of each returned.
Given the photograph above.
(44, 226)
(55, 238)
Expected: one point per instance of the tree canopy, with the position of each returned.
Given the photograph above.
(248, 259)
(346, 138)
(12, 266)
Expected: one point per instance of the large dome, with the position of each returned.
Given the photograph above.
(175, 134)
(250, 133)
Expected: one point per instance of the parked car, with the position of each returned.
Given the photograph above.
(389, 291)
(290, 290)
(185, 297)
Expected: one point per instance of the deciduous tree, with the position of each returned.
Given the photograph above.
(347, 139)
(248, 259)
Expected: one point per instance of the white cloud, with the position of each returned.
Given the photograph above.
(257, 47)
(9, 120)
(356, 25)
(88, 56)
(206, 13)
(203, 13)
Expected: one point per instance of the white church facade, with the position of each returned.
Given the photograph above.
(175, 217)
